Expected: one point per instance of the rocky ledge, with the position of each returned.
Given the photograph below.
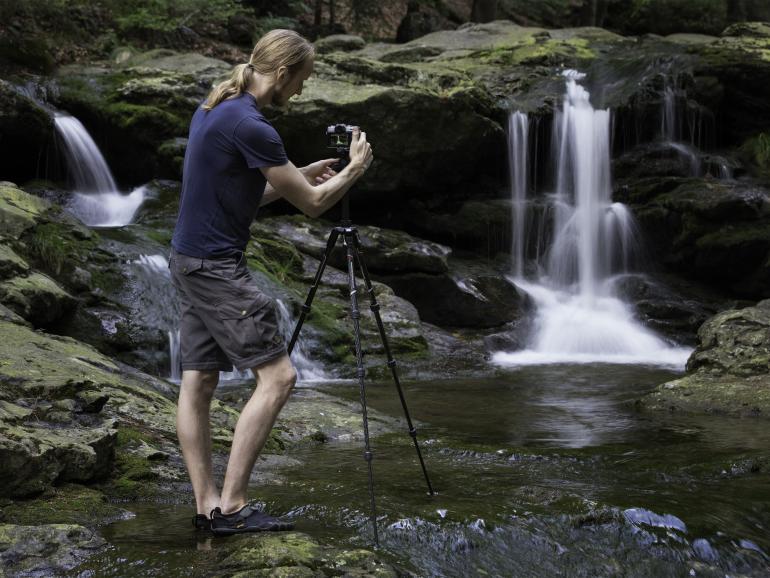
(729, 372)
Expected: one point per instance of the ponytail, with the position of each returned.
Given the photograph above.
(275, 49)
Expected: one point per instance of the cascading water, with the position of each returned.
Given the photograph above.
(579, 319)
(96, 200)
(518, 131)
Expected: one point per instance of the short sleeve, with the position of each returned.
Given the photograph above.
(259, 143)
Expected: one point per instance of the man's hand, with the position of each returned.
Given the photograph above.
(319, 171)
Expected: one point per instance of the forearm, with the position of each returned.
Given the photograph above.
(327, 194)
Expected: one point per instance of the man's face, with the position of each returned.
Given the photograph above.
(290, 84)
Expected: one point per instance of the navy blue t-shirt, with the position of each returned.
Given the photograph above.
(222, 185)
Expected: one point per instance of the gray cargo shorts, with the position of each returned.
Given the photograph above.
(225, 319)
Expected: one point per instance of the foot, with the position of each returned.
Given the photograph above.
(248, 519)
(201, 522)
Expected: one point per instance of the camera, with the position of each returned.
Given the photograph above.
(339, 136)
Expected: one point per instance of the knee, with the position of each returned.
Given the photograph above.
(283, 384)
(200, 383)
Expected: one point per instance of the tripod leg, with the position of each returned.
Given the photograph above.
(349, 241)
(375, 307)
(333, 235)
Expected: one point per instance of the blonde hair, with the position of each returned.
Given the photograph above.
(275, 49)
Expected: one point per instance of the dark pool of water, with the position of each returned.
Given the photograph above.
(544, 471)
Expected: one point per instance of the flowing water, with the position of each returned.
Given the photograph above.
(545, 471)
(96, 200)
(579, 317)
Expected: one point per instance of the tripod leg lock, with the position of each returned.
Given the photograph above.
(355, 314)
(360, 373)
(368, 455)
(413, 433)
(306, 308)
(392, 363)
(375, 307)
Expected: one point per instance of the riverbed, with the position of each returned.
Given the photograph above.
(541, 471)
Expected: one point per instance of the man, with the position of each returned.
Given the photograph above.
(235, 161)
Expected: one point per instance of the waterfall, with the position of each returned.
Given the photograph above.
(518, 133)
(579, 318)
(96, 200)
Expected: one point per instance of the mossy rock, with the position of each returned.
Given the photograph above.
(19, 210)
(64, 504)
(339, 43)
(37, 298)
(46, 549)
(11, 264)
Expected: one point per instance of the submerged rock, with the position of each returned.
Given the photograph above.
(47, 549)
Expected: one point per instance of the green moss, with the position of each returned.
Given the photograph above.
(68, 504)
(276, 258)
(128, 436)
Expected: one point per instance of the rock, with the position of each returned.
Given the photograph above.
(421, 19)
(385, 250)
(674, 312)
(47, 549)
(735, 342)
(10, 263)
(19, 211)
(729, 371)
(716, 232)
(11, 317)
(748, 29)
(339, 43)
(468, 296)
(37, 298)
(297, 554)
(26, 129)
(36, 457)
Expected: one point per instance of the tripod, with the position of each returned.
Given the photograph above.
(349, 235)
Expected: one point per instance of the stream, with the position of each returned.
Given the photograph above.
(542, 471)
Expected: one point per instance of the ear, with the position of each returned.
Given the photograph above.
(282, 73)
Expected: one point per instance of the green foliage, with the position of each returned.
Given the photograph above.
(268, 23)
(167, 15)
(762, 151)
(670, 16)
(49, 246)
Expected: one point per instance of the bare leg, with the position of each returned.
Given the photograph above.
(275, 381)
(194, 432)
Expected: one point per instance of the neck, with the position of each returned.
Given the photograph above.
(261, 88)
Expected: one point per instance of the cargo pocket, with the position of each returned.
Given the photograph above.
(184, 264)
(251, 325)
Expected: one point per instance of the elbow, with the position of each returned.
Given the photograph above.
(314, 210)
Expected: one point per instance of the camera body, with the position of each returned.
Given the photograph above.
(339, 136)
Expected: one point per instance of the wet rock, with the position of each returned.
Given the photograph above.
(713, 231)
(37, 298)
(46, 550)
(339, 43)
(296, 554)
(470, 295)
(27, 129)
(10, 263)
(735, 342)
(729, 372)
(19, 210)
(384, 250)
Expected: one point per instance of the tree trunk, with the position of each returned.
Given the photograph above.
(319, 7)
(484, 10)
(332, 16)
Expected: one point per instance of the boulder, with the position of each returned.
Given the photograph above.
(716, 232)
(19, 210)
(384, 250)
(46, 549)
(37, 298)
(26, 131)
(339, 43)
(10, 263)
(729, 371)
(735, 342)
(469, 295)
